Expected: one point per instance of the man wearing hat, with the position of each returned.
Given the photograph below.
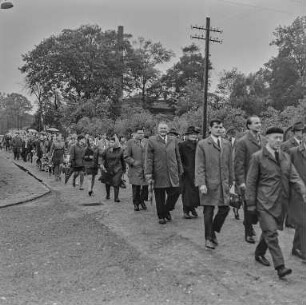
(269, 179)
(297, 207)
(296, 139)
(190, 193)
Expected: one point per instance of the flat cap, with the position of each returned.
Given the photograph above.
(274, 130)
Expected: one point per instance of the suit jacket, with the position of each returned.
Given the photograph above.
(289, 144)
(134, 156)
(214, 168)
(163, 162)
(245, 147)
(297, 206)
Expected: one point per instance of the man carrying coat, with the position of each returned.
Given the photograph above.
(134, 156)
(270, 177)
(245, 147)
(297, 206)
(163, 167)
(214, 177)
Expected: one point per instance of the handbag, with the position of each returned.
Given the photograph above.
(105, 177)
(235, 201)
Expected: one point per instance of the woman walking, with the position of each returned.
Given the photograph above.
(57, 155)
(91, 164)
(113, 165)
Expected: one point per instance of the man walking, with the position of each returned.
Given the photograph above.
(134, 156)
(163, 167)
(270, 176)
(214, 177)
(190, 193)
(245, 147)
(297, 207)
(295, 140)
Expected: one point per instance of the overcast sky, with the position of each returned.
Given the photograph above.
(247, 27)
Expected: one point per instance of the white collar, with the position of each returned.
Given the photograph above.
(216, 139)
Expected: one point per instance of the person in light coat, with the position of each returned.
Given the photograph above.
(214, 177)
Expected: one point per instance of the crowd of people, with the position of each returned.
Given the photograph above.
(266, 174)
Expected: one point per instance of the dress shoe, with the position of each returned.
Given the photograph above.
(298, 253)
(187, 216)
(143, 206)
(250, 239)
(168, 216)
(215, 240)
(89, 193)
(117, 200)
(283, 271)
(209, 244)
(262, 260)
(194, 213)
(136, 207)
(162, 221)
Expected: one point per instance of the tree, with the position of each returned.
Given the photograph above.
(189, 69)
(15, 108)
(142, 62)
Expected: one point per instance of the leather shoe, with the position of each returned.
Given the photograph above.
(250, 239)
(262, 260)
(136, 207)
(162, 221)
(194, 213)
(143, 206)
(168, 216)
(209, 244)
(298, 253)
(283, 271)
(187, 216)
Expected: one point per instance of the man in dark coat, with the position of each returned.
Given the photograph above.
(134, 156)
(17, 146)
(163, 166)
(214, 177)
(190, 193)
(245, 147)
(297, 207)
(295, 140)
(270, 177)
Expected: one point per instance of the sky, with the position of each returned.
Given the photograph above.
(247, 26)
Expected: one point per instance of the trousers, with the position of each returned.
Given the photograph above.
(140, 194)
(214, 224)
(165, 205)
(269, 239)
(299, 240)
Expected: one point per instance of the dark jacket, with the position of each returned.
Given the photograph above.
(214, 168)
(91, 158)
(297, 206)
(113, 161)
(268, 183)
(190, 193)
(289, 144)
(163, 162)
(76, 155)
(134, 155)
(245, 147)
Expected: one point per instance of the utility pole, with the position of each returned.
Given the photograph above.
(207, 39)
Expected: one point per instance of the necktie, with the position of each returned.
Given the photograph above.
(219, 143)
(277, 156)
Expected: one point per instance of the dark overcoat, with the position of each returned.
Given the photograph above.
(292, 142)
(190, 193)
(269, 183)
(134, 156)
(163, 162)
(91, 160)
(214, 168)
(297, 206)
(77, 155)
(245, 147)
(113, 161)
